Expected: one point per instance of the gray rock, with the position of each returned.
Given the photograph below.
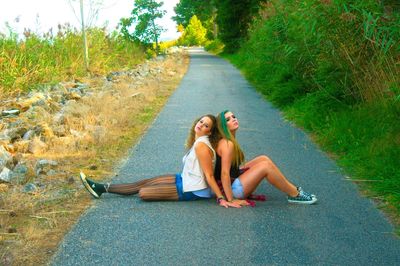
(160, 58)
(81, 87)
(70, 180)
(173, 50)
(59, 118)
(19, 174)
(10, 113)
(51, 172)
(4, 136)
(34, 99)
(5, 175)
(44, 166)
(29, 188)
(5, 157)
(40, 102)
(29, 134)
(36, 146)
(16, 133)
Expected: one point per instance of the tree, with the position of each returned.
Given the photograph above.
(233, 19)
(194, 34)
(186, 9)
(204, 10)
(144, 14)
(94, 7)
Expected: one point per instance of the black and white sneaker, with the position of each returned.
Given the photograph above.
(94, 188)
(303, 197)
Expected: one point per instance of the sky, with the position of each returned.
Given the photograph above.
(41, 15)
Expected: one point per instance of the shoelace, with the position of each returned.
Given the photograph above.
(305, 195)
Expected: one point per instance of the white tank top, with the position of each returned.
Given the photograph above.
(192, 175)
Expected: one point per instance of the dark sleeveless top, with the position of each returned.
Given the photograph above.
(234, 171)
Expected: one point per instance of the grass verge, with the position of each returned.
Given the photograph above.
(363, 139)
(32, 224)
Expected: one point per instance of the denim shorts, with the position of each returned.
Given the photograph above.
(237, 189)
(184, 196)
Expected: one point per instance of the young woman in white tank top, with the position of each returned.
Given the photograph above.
(195, 182)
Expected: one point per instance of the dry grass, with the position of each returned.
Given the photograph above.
(104, 126)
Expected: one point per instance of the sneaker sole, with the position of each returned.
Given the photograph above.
(87, 186)
(303, 202)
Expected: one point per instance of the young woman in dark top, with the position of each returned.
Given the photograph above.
(230, 157)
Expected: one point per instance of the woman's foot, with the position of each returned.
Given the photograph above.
(303, 197)
(95, 189)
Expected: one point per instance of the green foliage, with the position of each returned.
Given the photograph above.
(227, 20)
(204, 10)
(143, 19)
(214, 46)
(364, 138)
(333, 66)
(340, 48)
(150, 54)
(164, 46)
(33, 60)
(233, 19)
(194, 34)
(186, 9)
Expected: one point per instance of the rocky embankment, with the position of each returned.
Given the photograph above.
(48, 135)
(35, 126)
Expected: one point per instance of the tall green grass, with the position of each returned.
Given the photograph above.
(30, 60)
(334, 67)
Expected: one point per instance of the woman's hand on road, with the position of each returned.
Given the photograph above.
(241, 202)
(228, 204)
(236, 203)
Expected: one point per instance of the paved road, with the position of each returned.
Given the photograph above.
(342, 229)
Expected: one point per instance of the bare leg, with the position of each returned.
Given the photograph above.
(159, 192)
(133, 188)
(256, 160)
(263, 167)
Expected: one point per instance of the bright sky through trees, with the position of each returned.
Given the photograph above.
(41, 15)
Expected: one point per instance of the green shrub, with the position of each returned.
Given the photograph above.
(194, 33)
(214, 46)
(150, 53)
(333, 66)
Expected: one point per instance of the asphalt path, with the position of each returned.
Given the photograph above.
(344, 228)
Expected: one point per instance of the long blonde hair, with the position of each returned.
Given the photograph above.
(224, 133)
(213, 136)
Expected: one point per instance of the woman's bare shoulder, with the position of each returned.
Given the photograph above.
(201, 146)
(225, 145)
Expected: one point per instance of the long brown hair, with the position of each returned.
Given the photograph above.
(213, 136)
(224, 133)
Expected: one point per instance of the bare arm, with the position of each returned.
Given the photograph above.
(204, 155)
(226, 150)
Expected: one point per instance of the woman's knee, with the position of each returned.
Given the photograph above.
(143, 195)
(261, 168)
(266, 165)
(264, 158)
